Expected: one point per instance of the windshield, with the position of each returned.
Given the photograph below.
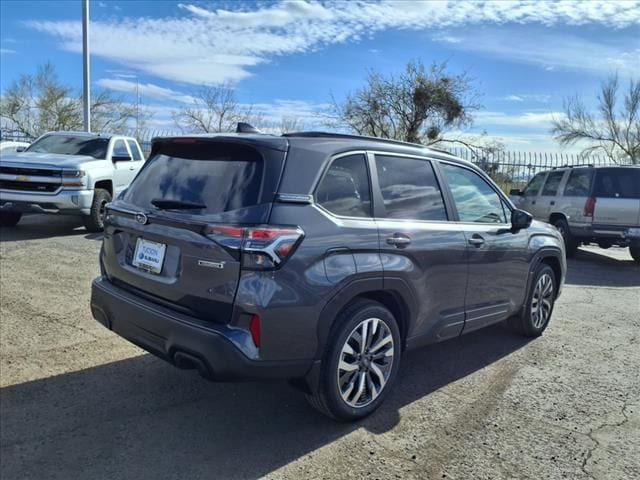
(95, 147)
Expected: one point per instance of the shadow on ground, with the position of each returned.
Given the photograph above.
(601, 269)
(142, 418)
(33, 227)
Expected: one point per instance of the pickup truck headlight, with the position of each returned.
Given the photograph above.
(73, 178)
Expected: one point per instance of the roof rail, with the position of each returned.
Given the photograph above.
(566, 165)
(316, 134)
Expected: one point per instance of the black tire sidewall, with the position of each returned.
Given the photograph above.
(94, 223)
(527, 321)
(635, 254)
(9, 219)
(570, 243)
(337, 337)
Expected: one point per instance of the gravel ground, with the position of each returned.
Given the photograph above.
(77, 402)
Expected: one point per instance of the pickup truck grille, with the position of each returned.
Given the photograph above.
(31, 172)
(29, 186)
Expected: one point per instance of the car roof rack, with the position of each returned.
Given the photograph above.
(318, 134)
(566, 165)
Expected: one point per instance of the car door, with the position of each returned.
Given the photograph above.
(497, 256)
(547, 201)
(529, 198)
(124, 169)
(137, 158)
(420, 249)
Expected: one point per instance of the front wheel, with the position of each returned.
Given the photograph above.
(360, 362)
(536, 312)
(9, 219)
(570, 243)
(95, 221)
(635, 254)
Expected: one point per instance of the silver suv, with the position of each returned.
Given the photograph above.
(588, 205)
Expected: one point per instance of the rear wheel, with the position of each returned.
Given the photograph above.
(95, 221)
(570, 243)
(360, 362)
(536, 312)
(635, 254)
(9, 219)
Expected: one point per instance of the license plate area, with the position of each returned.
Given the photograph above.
(149, 256)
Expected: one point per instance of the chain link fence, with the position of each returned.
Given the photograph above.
(509, 169)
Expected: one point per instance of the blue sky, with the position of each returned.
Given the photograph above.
(288, 58)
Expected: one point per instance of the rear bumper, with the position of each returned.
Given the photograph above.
(616, 234)
(76, 202)
(218, 352)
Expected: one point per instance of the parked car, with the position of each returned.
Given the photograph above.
(318, 258)
(10, 146)
(69, 173)
(588, 205)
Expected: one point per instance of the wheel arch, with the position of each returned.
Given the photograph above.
(105, 185)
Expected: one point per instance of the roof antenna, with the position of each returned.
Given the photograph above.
(244, 127)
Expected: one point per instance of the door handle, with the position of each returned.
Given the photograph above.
(552, 202)
(399, 241)
(533, 202)
(132, 168)
(476, 240)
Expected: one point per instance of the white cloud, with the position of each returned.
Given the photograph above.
(6, 51)
(219, 45)
(522, 97)
(552, 51)
(530, 120)
(144, 89)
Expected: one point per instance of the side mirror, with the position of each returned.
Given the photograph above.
(121, 158)
(516, 192)
(520, 219)
(20, 149)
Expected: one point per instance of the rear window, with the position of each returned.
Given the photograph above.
(617, 183)
(221, 177)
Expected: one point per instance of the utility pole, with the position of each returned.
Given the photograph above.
(86, 94)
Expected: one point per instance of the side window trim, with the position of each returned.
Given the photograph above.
(378, 200)
(501, 195)
(323, 174)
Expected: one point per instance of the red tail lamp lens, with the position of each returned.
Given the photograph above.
(254, 328)
(589, 207)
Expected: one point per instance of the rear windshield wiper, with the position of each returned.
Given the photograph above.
(166, 204)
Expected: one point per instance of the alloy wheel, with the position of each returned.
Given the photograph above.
(542, 301)
(365, 363)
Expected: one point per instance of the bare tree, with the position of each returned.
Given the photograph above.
(35, 104)
(614, 131)
(418, 106)
(213, 110)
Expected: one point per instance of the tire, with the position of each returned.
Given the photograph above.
(635, 254)
(95, 221)
(350, 401)
(9, 219)
(570, 243)
(534, 317)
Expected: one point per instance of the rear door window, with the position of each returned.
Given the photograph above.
(579, 183)
(409, 188)
(135, 150)
(345, 190)
(617, 183)
(534, 185)
(221, 177)
(553, 183)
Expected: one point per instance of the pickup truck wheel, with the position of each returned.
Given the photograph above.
(95, 221)
(360, 362)
(537, 310)
(635, 254)
(570, 243)
(9, 219)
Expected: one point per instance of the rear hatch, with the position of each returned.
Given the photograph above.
(617, 196)
(171, 237)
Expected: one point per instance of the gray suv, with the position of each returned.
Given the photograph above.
(587, 205)
(318, 258)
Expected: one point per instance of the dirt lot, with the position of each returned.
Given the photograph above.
(78, 402)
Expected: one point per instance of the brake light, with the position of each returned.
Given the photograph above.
(260, 248)
(254, 329)
(589, 206)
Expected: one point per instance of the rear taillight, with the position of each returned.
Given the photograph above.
(589, 206)
(254, 329)
(260, 248)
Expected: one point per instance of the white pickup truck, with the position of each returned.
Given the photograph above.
(72, 173)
